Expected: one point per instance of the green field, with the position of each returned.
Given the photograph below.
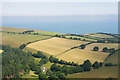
(30, 75)
(79, 56)
(15, 40)
(104, 72)
(55, 46)
(101, 46)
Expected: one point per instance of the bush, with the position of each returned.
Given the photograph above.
(104, 49)
(82, 46)
(22, 46)
(110, 64)
(95, 48)
(87, 65)
(95, 65)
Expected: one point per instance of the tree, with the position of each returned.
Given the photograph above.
(95, 65)
(100, 64)
(112, 50)
(22, 46)
(70, 37)
(104, 49)
(60, 75)
(87, 65)
(82, 46)
(95, 48)
(65, 69)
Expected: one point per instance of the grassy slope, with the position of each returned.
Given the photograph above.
(113, 58)
(104, 72)
(15, 40)
(79, 56)
(30, 75)
(55, 45)
(12, 29)
(102, 45)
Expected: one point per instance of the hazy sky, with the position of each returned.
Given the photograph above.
(59, 8)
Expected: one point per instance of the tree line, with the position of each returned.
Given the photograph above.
(86, 66)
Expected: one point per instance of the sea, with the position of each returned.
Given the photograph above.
(80, 24)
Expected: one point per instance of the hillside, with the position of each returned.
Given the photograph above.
(55, 46)
(104, 72)
(65, 50)
(79, 56)
(113, 58)
(102, 45)
(15, 40)
(12, 29)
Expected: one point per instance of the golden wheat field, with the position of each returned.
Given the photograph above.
(80, 55)
(101, 46)
(55, 45)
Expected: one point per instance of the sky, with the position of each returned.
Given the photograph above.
(59, 0)
(59, 8)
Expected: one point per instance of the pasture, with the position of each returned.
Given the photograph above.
(80, 55)
(101, 46)
(103, 72)
(55, 46)
(15, 40)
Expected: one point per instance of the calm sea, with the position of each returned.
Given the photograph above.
(65, 24)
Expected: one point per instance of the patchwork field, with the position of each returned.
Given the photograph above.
(104, 72)
(79, 56)
(55, 45)
(15, 40)
(101, 46)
